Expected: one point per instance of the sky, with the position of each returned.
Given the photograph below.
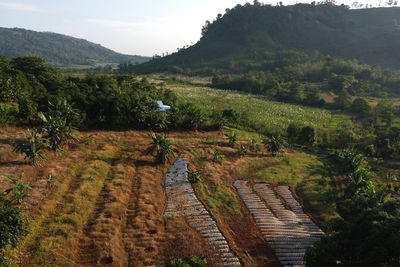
(136, 27)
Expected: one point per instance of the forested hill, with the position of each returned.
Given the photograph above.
(57, 49)
(371, 36)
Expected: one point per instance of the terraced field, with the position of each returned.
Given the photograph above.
(289, 232)
(183, 201)
(113, 205)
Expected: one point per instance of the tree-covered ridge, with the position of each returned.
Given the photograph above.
(247, 32)
(57, 49)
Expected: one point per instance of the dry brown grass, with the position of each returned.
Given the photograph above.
(116, 218)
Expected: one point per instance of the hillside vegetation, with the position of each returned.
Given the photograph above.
(57, 49)
(251, 32)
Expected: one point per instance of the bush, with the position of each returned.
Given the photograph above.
(307, 136)
(242, 150)
(192, 261)
(293, 132)
(368, 234)
(162, 146)
(194, 176)
(275, 144)
(218, 157)
(32, 147)
(8, 112)
(232, 136)
(19, 189)
(12, 224)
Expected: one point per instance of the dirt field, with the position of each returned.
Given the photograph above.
(107, 203)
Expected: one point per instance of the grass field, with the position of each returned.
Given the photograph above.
(306, 173)
(267, 116)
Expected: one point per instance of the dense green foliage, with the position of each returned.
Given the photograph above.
(29, 87)
(251, 34)
(12, 225)
(192, 261)
(57, 49)
(275, 144)
(367, 234)
(162, 146)
(33, 147)
(17, 192)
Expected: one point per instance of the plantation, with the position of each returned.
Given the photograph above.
(284, 152)
(260, 114)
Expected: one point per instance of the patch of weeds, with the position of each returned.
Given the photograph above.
(232, 137)
(192, 261)
(50, 178)
(218, 157)
(170, 216)
(242, 150)
(194, 176)
(87, 140)
(224, 199)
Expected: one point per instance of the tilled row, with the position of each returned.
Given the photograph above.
(288, 233)
(182, 201)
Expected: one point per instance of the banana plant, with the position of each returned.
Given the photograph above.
(19, 189)
(57, 130)
(162, 146)
(275, 144)
(32, 147)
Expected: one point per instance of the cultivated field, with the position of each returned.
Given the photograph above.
(106, 206)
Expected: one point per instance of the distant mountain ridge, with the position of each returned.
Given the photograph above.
(59, 50)
(371, 36)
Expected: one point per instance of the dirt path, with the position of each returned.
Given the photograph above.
(181, 201)
(289, 233)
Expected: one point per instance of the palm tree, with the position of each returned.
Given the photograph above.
(162, 146)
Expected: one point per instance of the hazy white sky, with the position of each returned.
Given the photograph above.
(143, 27)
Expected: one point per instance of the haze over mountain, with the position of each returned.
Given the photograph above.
(59, 50)
(371, 36)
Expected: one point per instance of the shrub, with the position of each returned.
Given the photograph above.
(32, 147)
(192, 261)
(275, 144)
(218, 157)
(254, 146)
(242, 150)
(162, 146)
(307, 136)
(19, 190)
(8, 111)
(361, 107)
(12, 224)
(57, 130)
(50, 178)
(293, 131)
(194, 176)
(232, 136)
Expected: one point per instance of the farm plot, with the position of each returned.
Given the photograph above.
(288, 233)
(265, 115)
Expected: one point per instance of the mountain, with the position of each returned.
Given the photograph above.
(371, 36)
(59, 50)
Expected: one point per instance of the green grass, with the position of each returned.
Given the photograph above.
(220, 198)
(306, 173)
(265, 115)
(67, 211)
